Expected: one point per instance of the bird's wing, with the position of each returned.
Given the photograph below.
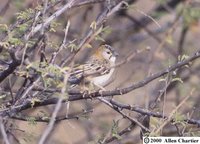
(86, 70)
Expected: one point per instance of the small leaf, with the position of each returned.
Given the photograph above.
(88, 45)
(2, 96)
(169, 39)
(162, 79)
(73, 47)
(45, 118)
(52, 30)
(23, 27)
(4, 44)
(177, 79)
(107, 30)
(66, 68)
(3, 28)
(179, 118)
(117, 136)
(99, 38)
(114, 129)
(154, 122)
(93, 25)
(53, 26)
(15, 41)
(183, 57)
(31, 120)
(33, 101)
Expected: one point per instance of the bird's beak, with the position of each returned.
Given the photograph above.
(116, 54)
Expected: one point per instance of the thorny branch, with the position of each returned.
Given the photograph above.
(3, 131)
(32, 85)
(47, 119)
(76, 97)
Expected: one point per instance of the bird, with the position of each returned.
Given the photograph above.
(97, 70)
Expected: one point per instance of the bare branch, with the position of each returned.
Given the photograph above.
(3, 132)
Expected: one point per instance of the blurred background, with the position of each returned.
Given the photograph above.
(159, 33)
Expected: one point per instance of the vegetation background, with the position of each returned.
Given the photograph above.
(155, 88)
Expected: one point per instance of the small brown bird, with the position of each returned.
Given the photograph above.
(97, 70)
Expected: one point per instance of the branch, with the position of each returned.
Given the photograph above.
(51, 124)
(3, 132)
(11, 68)
(67, 6)
(47, 119)
(90, 35)
(150, 113)
(79, 96)
(124, 131)
(108, 103)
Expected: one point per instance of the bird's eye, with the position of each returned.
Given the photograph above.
(108, 52)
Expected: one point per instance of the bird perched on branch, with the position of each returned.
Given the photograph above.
(97, 70)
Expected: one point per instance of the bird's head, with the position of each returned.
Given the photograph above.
(107, 52)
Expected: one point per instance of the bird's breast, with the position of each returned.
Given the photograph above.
(103, 79)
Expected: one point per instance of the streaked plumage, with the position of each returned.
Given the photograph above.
(97, 70)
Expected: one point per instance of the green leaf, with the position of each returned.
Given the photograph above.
(15, 41)
(93, 25)
(97, 37)
(88, 45)
(169, 39)
(53, 26)
(117, 136)
(184, 57)
(22, 28)
(162, 80)
(2, 96)
(179, 118)
(45, 118)
(106, 30)
(25, 15)
(4, 44)
(191, 15)
(31, 120)
(115, 129)
(34, 100)
(72, 47)
(3, 28)
(177, 79)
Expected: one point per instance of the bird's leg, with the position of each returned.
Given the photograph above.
(87, 88)
(90, 88)
(85, 92)
(84, 88)
(99, 86)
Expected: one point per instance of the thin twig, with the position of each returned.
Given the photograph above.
(172, 114)
(123, 114)
(51, 123)
(47, 119)
(78, 96)
(55, 112)
(3, 132)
